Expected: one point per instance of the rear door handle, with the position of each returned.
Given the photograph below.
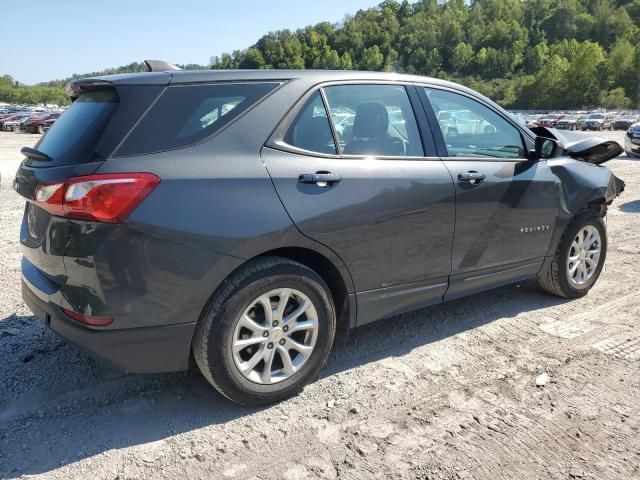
(472, 177)
(322, 179)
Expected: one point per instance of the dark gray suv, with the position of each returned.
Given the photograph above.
(244, 219)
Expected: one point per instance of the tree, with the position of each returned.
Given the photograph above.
(253, 59)
(615, 98)
(525, 53)
(372, 58)
(461, 58)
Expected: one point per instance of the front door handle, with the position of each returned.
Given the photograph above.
(474, 178)
(322, 179)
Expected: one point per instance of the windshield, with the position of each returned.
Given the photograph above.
(595, 116)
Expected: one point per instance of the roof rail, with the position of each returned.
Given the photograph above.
(159, 66)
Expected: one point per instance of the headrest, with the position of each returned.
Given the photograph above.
(372, 121)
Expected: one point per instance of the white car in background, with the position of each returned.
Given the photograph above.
(632, 140)
(463, 122)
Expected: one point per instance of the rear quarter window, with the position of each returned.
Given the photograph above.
(187, 114)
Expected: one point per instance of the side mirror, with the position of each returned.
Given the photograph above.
(545, 148)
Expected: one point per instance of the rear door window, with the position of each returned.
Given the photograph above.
(374, 120)
(74, 136)
(187, 114)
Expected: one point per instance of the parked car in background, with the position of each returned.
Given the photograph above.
(632, 140)
(623, 122)
(518, 117)
(12, 124)
(569, 122)
(48, 124)
(248, 242)
(549, 121)
(463, 122)
(37, 124)
(532, 120)
(581, 120)
(599, 121)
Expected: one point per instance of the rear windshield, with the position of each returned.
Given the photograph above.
(73, 137)
(187, 114)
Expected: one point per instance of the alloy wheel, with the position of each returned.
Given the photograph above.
(584, 256)
(275, 336)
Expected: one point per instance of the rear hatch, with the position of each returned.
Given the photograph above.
(101, 115)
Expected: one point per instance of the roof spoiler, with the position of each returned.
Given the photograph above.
(160, 66)
(78, 87)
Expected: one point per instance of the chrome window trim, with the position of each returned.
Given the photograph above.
(525, 134)
(276, 141)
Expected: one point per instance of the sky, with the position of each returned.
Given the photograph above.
(48, 40)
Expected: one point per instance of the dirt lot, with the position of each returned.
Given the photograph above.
(447, 392)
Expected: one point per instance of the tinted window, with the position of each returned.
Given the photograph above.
(471, 129)
(186, 114)
(73, 138)
(311, 129)
(374, 120)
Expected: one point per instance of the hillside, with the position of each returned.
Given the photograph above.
(522, 53)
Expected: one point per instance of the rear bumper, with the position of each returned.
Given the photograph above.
(133, 350)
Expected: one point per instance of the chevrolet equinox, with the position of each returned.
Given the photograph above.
(244, 219)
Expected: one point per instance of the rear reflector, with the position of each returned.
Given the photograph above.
(87, 320)
(109, 197)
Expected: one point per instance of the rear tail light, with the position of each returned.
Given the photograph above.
(88, 320)
(109, 197)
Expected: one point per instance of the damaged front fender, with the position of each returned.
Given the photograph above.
(584, 184)
(577, 164)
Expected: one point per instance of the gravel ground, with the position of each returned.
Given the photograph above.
(446, 392)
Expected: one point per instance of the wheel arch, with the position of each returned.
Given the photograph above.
(329, 267)
(339, 286)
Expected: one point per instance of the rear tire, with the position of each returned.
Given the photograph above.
(560, 275)
(221, 332)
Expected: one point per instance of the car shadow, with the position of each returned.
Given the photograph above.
(58, 406)
(630, 207)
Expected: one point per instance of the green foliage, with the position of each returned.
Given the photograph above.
(522, 53)
(12, 92)
(615, 99)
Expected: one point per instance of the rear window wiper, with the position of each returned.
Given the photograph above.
(35, 154)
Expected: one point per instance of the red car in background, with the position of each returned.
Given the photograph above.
(549, 121)
(49, 123)
(39, 124)
(13, 121)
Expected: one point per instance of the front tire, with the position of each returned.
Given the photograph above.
(579, 259)
(266, 332)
